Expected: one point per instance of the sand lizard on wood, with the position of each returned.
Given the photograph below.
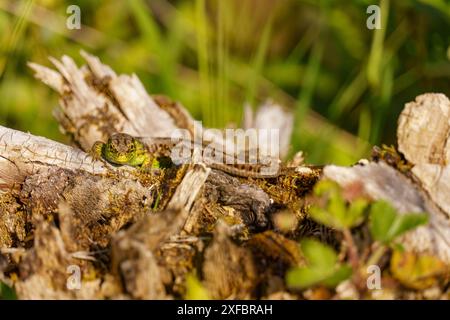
(148, 153)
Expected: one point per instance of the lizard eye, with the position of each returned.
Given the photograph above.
(110, 144)
(131, 147)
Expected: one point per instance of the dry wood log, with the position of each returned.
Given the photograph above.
(59, 207)
(91, 201)
(381, 182)
(95, 102)
(423, 137)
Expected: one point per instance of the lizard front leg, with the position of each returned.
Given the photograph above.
(96, 151)
(150, 163)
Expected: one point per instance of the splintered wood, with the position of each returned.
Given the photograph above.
(138, 235)
(154, 224)
(95, 102)
(423, 137)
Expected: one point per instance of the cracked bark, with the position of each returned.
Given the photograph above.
(58, 194)
(60, 207)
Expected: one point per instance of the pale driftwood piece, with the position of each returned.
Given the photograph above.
(424, 128)
(23, 154)
(134, 101)
(271, 116)
(189, 188)
(98, 69)
(90, 114)
(85, 113)
(178, 112)
(381, 181)
(187, 192)
(50, 77)
(424, 138)
(95, 102)
(435, 180)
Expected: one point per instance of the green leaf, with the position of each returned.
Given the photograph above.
(318, 255)
(302, 278)
(322, 216)
(337, 208)
(337, 214)
(324, 187)
(323, 267)
(386, 224)
(355, 212)
(6, 292)
(382, 216)
(343, 272)
(407, 222)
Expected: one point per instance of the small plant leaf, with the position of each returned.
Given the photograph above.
(337, 210)
(318, 255)
(382, 215)
(323, 267)
(355, 212)
(324, 187)
(6, 292)
(322, 216)
(342, 273)
(336, 213)
(404, 223)
(417, 271)
(302, 278)
(386, 224)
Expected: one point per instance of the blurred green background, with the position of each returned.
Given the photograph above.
(346, 83)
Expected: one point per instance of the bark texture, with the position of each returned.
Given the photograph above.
(75, 227)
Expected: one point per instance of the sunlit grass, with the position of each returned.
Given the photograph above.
(346, 84)
(11, 41)
(258, 62)
(204, 61)
(375, 63)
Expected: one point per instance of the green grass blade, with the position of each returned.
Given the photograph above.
(258, 62)
(374, 65)
(203, 61)
(310, 81)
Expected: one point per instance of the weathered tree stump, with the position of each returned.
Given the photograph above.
(139, 236)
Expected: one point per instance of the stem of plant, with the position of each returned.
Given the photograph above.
(352, 251)
(380, 250)
(353, 258)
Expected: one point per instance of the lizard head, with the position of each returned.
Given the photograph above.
(121, 148)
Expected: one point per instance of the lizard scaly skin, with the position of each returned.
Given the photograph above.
(124, 149)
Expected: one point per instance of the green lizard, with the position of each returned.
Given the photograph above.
(124, 149)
